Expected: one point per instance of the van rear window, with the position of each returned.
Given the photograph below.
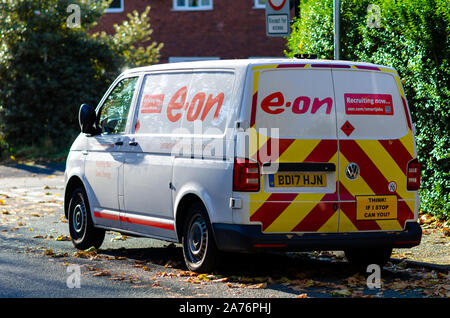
(370, 102)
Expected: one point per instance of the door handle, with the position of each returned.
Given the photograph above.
(119, 143)
(133, 143)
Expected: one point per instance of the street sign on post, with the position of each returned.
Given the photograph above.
(277, 18)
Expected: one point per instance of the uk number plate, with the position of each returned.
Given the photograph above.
(293, 179)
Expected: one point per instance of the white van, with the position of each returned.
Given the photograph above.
(249, 155)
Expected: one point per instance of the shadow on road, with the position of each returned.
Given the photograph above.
(23, 170)
(276, 265)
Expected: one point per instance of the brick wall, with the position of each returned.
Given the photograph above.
(233, 29)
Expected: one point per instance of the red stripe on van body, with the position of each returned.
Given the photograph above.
(331, 65)
(254, 105)
(106, 216)
(323, 152)
(404, 212)
(398, 152)
(371, 68)
(318, 216)
(266, 148)
(114, 217)
(272, 208)
(290, 65)
(159, 225)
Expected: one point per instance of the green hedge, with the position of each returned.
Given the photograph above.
(413, 37)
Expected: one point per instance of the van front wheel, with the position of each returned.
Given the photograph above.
(199, 248)
(81, 226)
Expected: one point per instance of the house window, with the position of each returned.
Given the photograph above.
(115, 6)
(260, 4)
(192, 5)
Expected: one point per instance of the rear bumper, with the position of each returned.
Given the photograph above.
(234, 237)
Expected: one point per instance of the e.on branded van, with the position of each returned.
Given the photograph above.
(249, 155)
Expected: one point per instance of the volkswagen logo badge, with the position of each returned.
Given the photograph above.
(352, 171)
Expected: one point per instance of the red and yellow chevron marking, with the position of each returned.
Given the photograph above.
(297, 212)
(380, 161)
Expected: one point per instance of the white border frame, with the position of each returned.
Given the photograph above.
(175, 7)
(116, 10)
(257, 5)
(180, 59)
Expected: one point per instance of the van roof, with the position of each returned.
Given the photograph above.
(259, 61)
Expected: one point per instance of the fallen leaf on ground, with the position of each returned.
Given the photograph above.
(258, 286)
(342, 292)
(63, 238)
(102, 273)
(49, 252)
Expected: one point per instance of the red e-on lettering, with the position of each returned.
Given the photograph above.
(274, 104)
(195, 107)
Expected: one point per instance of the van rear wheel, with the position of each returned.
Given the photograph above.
(199, 249)
(81, 226)
(363, 257)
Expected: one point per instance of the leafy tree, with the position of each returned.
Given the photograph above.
(48, 68)
(413, 37)
(129, 38)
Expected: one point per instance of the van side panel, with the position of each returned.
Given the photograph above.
(182, 133)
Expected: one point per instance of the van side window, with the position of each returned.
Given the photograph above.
(170, 103)
(114, 112)
(162, 102)
(210, 104)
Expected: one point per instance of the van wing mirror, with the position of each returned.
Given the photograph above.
(87, 118)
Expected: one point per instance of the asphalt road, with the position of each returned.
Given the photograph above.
(37, 260)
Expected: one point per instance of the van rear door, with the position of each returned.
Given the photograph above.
(293, 117)
(375, 146)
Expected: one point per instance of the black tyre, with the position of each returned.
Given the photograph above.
(362, 257)
(81, 227)
(199, 249)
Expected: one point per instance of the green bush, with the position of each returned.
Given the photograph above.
(413, 37)
(47, 68)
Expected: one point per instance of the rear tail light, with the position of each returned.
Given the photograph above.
(413, 175)
(245, 175)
